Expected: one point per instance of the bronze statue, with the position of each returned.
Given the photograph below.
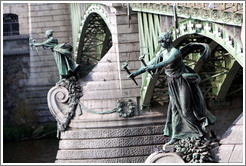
(187, 115)
(62, 54)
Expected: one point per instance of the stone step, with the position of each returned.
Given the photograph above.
(111, 142)
(145, 119)
(138, 159)
(122, 123)
(111, 132)
(105, 153)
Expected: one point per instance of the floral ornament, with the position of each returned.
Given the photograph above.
(63, 101)
(75, 93)
(195, 12)
(226, 17)
(215, 14)
(194, 150)
(238, 18)
(205, 13)
(125, 109)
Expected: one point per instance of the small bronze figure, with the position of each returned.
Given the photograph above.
(62, 54)
(187, 115)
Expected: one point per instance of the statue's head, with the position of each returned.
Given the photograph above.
(165, 39)
(49, 33)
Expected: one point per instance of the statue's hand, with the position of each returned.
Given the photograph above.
(149, 68)
(131, 76)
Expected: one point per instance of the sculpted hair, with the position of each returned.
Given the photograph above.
(167, 37)
(49, 33)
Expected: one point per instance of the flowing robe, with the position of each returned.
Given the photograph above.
(62, 54)
(187, 115)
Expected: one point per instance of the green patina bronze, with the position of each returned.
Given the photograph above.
(187, 115)
(124, 108)
(62, 54)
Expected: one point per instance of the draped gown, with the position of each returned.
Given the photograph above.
(62, 55)
(187, 115)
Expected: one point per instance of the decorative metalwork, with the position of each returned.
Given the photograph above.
(217, 73)
(237, 18)
(186, 11)
(149, 30)
(195, 12)
(205, 13)
(95, 40)
(198, 11)
(215, 14)
(94, 36)
(125, 109)
(209, 29)
(226, 17)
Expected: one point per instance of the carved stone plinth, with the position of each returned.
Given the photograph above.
(162, 157)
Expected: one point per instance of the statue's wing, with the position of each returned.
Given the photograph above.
(191, 46)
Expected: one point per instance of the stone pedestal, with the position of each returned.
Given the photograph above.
(162, 157)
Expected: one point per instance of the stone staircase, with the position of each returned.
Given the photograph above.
(111, 141)
(109, 138)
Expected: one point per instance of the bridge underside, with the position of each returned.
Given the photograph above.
(221, 74)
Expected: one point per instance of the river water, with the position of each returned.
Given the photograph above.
(31, 151)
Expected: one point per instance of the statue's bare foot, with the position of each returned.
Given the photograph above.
(172, 141)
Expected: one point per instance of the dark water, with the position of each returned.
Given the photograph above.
(31, 151)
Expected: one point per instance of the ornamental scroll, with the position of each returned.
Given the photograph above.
(64, 103)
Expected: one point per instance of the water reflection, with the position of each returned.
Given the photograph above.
(32, 151)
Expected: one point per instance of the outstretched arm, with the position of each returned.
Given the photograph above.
(43, 43)
(164, 60)
(143, 69)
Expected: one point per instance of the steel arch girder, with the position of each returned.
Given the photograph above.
(215, 32)
(224, 86)
(225, 41)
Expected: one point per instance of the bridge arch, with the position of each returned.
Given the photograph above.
(94, 37)
(221, 40)
(214, 31)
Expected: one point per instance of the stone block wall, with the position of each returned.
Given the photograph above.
(108, 82)
(20, 9)
(42, 73)
(15, 74)
(43, 69)
(128, 43)
(101, 88)
(43, 17)
(16, 63)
